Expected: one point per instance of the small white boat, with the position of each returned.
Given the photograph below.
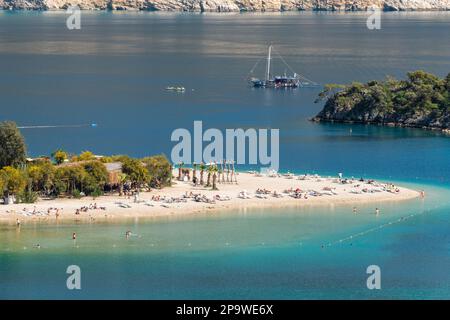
(175, 88)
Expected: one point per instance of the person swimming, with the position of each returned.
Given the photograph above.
(129, 234)
(377, 211)
(74, 236)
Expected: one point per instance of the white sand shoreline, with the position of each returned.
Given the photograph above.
(333, 193)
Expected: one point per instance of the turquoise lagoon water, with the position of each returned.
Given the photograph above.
(113, 72)
(251, 254)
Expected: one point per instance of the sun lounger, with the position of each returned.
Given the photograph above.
(244, 195)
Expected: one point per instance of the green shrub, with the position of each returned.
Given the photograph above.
(96, 193)
(27, 196)
(76, 194)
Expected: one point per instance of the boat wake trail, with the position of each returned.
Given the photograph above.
(90, 125)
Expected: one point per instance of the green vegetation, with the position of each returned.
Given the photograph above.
(95, 179)
(422, 100)
(137, 173)
(214, 169)
(159, 171)
(28, 196)
(84, 174)
(84, 156)
(59, 156)
(202, 170)
(13, 181)
(12, 145)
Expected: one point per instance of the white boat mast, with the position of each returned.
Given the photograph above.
(268, 63)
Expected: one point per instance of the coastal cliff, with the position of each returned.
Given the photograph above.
(421, 101)
(229, 5)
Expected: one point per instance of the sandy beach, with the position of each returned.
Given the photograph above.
(183, 198)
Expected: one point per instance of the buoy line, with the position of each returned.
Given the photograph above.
(390, 223)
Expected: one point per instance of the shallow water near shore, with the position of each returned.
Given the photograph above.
(317, 252)
(113, 72)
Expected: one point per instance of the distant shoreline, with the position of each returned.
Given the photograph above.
(233, 6)
(133, 10)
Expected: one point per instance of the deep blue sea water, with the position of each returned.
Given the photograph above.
(113, 72)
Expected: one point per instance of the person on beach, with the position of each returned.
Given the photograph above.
(422, 194)
(18, 222)
(74, 236)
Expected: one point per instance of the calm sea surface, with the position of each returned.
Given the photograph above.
(113, 72)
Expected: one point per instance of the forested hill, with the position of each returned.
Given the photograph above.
(420, 101)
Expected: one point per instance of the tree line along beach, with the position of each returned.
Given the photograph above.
(89, 187)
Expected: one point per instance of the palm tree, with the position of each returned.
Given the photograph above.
(210, 171)
(214, 170)
(233, 172)
(222, 170)
(122, 178)
(194, 165)
(180, 166)
(202, 169)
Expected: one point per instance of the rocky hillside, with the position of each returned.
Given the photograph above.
(421, 101)
(228, 5)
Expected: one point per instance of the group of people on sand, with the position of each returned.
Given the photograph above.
(296, 193)
(198, 197)
(35, 212)
(56, 211)
(92, 206)
(156, 197)
(263, 191)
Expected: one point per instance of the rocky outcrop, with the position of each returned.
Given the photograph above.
(228, 5)
(403, 5)
(422, 101)
(54, 4)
